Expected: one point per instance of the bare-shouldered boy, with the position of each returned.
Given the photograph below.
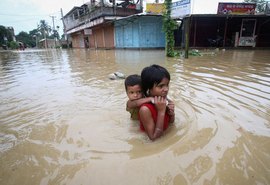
(135, 95)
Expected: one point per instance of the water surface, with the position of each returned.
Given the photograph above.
(63, 121)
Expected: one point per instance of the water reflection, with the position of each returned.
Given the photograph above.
(62, 121)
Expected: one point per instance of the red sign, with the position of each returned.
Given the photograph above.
(236, 8)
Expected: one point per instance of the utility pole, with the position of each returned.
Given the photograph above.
(187, 32)
(65, 30)
(53, 31)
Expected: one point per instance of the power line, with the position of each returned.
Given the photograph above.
(21, 19)
(17, 21)
(4, 14)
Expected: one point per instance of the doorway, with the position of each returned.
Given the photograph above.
(247, 33)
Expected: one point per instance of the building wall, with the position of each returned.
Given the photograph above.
(263, 33)
(92, 41)
(139, 32)
(49, 43)
(99, 36)
(78, 40)
(109, 36)
(102, 37)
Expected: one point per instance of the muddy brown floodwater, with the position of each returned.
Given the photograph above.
(63, 121)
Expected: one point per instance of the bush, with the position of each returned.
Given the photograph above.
(13, 45)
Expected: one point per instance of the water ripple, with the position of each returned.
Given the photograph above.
(61, 117)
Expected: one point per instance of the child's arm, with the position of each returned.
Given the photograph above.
(170, 109)
(154, 129)
(137, 103)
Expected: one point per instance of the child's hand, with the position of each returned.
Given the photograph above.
(160, 103)
(170, 108)
(152, 100)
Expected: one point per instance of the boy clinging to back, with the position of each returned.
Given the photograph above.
(135, 95)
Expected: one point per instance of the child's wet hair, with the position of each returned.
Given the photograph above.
(132, 80)
(153, 75)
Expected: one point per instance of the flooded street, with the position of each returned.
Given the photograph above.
(63, 121)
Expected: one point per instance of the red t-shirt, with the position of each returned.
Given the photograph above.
(153, 110)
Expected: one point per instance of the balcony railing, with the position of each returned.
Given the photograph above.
(98, 12)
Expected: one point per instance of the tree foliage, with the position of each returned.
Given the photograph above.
(26, 38)
(5, 35)
(44, 28)
(46, 31)
(29, 39)
(13, 45)
(169, 25)
(260, 4)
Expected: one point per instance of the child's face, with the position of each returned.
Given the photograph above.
(134, 92)
(160, 89)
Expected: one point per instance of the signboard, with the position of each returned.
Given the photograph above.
(155, 8)
(247, 41)
(236, 8)
(180, 8)
(87, 31)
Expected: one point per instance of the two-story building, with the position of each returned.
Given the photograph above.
(92, 25)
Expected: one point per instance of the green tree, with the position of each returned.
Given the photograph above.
(26, 38)
(35, 32)
(44, 28)
(13, 45)
(260, 4)
(169, 25)
(36, 35)
(5, 35)
(30, 39)
(56, 34)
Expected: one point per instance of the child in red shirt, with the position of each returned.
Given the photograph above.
(155, 117)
